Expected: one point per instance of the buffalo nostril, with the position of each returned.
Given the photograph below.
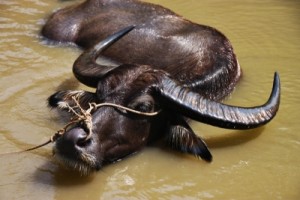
(83, 142)
(77, 137)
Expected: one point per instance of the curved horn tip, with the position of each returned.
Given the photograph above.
(275, 94)
(276, 78)
(112, 38)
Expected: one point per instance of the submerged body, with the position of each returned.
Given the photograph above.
(179, 68)
(194, 54)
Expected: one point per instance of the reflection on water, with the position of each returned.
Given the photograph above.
(255, 164)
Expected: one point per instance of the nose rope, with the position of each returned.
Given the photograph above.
(85, 117)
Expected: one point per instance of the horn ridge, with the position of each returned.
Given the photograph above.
(193, 105)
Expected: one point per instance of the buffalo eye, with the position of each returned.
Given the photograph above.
(144, 103)
(144, 107)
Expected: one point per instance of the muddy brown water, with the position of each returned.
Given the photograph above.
(263, 163)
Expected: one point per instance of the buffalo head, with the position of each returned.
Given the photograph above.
(116, 133)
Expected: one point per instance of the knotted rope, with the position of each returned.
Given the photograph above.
(84, 117)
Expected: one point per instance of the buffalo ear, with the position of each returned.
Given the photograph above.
(61, 98)
(182, 138)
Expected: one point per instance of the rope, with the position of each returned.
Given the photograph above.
(85, 117)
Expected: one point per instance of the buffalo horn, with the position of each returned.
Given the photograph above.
(86, 69)
(193, 105)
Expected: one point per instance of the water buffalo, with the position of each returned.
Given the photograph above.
(179, 70)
